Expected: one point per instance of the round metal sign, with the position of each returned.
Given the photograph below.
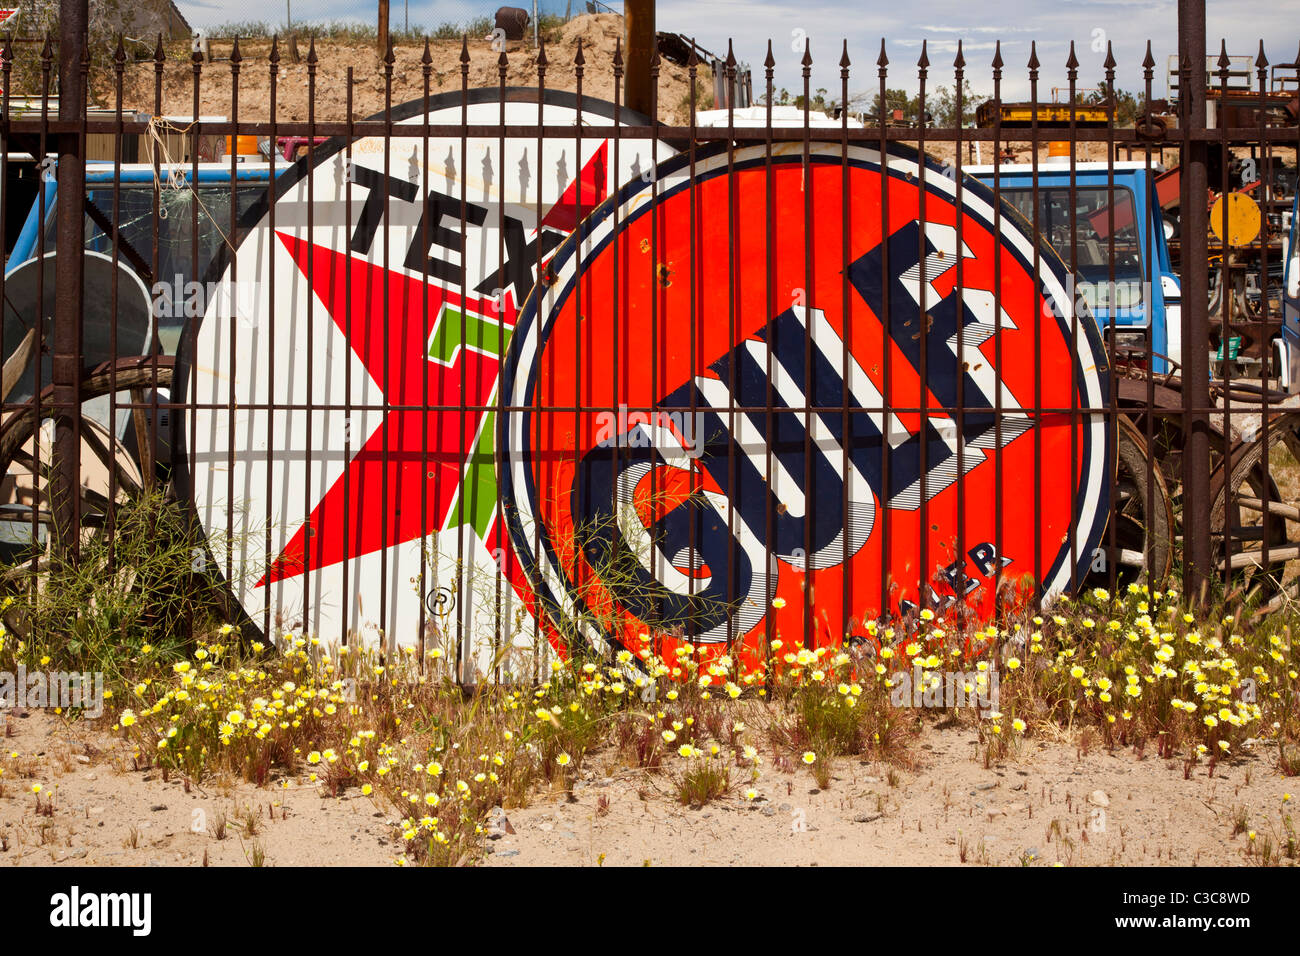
(342, 385)
(1243, 219)
(718, 396)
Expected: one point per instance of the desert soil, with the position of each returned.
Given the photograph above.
(1051, 803)
(597, 35)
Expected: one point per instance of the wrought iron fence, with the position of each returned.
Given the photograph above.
(500, 370)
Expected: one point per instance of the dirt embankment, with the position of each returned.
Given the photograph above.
(596, 34)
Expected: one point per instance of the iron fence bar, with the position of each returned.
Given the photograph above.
(810, 304)
(1267, 518)
(66, 365)
(349, 621)
(387, 640)
(145, 452)
(732, 286)
(999, 468)
(693, 214)
(1148, 332)
(461, 661)
(959, 557)
(273, 91)
(1196, 373)
(191, 328)
(39, 491)
(1038, 330)
(847, 617)
(502, 67)
(1072, 73)
(1112, 475)
(231, 320)
(538, 213)
(1225, 325)
(769, 288)
(950, 410)
(670, 133)
(923, 587)
(6, 139)
(426, 72)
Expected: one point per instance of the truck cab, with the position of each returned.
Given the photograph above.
(1286, 348)
(1081, 226)
(184, 254)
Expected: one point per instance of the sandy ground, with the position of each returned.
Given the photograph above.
(1051, 803)
(106, 814)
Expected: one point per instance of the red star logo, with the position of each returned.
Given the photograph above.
(404, 481)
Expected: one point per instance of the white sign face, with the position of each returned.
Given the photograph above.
(340, 450)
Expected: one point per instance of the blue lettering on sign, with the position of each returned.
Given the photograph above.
(701, 560)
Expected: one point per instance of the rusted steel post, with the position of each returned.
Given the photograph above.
(639, 39)
(1197, 555)
(66, 358)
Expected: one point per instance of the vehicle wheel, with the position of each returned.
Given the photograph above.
(111, 474)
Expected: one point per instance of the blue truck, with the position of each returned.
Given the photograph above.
(1290, 346)
(1146, 289)
(134, 221)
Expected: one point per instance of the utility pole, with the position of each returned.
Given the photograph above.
(639, 40)
(65, 493)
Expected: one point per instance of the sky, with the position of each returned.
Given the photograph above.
(826, 24)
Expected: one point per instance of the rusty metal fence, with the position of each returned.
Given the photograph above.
(503, 369)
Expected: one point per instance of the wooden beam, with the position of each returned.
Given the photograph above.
(639, 40)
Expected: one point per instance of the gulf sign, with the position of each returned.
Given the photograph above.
(729, 396)
(343, 381)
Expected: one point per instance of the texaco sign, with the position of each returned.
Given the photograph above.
(340, 454)
(729, 367)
